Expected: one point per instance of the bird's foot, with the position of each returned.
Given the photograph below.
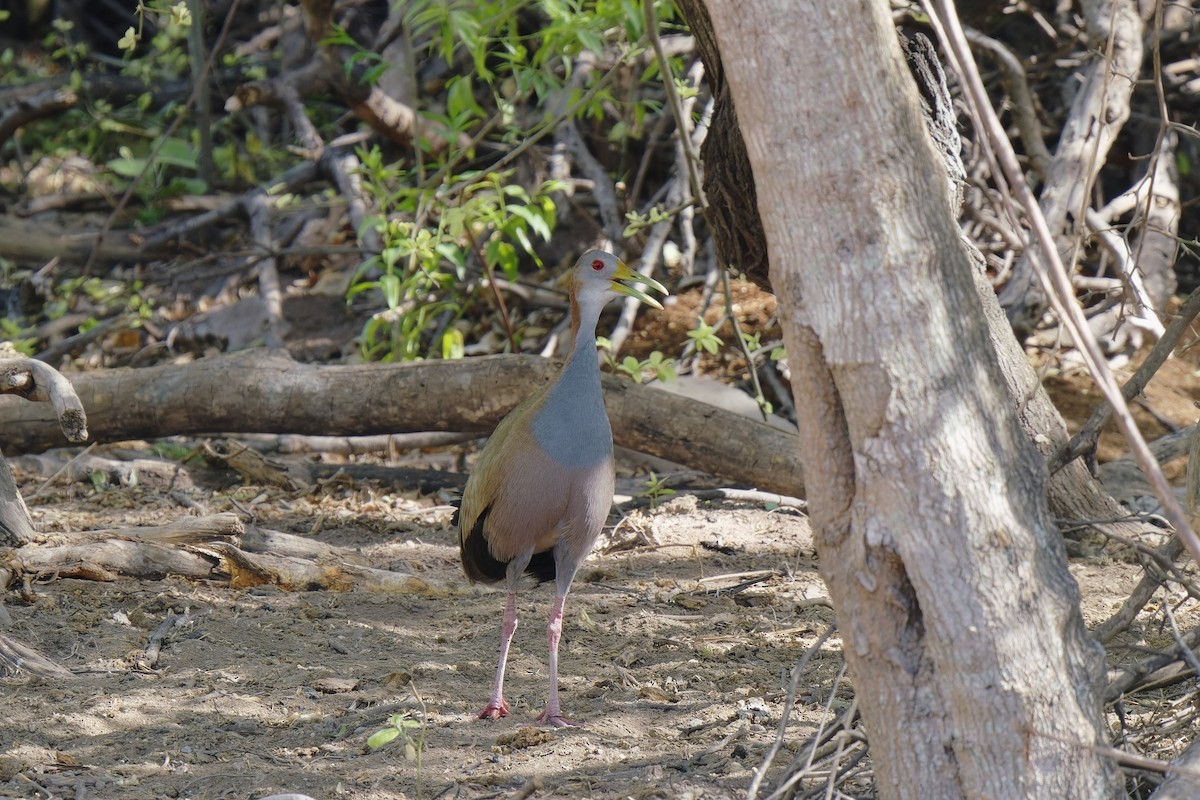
(556, 720)
(495, 709)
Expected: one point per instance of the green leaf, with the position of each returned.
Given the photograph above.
(178, 153)
(127, 167)
(452, 344)
(380, 738)
(504, 256)
(523, 240)
(390, 285)
(535, 220)
(460, 98)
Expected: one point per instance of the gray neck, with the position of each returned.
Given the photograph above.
(572, 424)
(583, 367)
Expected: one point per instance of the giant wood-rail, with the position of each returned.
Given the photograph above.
(543, 485)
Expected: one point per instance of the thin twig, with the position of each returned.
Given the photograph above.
(1184, 650)
(1131, 275)
(165, 137)
(1141, 594)
(1085, 440)
(673, 100)
(1051, 272)
(1012, 75)
(759, 398)
(785, 717)
(61, 470)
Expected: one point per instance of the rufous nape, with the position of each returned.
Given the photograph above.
(541, 490)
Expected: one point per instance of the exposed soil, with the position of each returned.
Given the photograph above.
(681, 631)
(674, 660)
(676, 674)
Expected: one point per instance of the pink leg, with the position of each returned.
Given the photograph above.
(553, 714)
(497, 707)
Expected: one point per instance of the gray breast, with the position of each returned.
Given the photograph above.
(572, 426)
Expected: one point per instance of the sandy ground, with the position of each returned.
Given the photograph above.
(676, 670)
(681, 631)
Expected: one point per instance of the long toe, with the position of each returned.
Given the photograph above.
(494, 710)
(556, 720)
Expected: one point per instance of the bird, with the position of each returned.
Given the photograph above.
(542, 487)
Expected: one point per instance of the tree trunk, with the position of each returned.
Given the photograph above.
(959, 619)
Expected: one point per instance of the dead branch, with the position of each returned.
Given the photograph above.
(73, 466)
(33, 380)
(256, 468)
(293, 574)
(216, 547)
(1157, 671)
(38, 382)
(185, 530)
(16, 658)
(1183, 776)
(257, 208)
(262, 540)
(109, 559)
(16, 528)
(1084, 442)
(27, 103)
(353, 445)
(25, 111)
(149, 553)
(148, 659)
(1101, 107)
(1016, 84)
(21, 240)
(1151, 580)
(288, 183)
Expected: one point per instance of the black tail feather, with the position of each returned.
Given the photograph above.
(541, 566)
(481, 566)
(478, 562)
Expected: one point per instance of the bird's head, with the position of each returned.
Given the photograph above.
(601, 276)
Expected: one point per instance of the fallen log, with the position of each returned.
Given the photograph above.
(259, 391)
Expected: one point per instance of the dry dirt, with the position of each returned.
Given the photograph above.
(681, 631)
(674, 660)
(676, 674)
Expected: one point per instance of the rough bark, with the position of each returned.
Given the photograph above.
(260, 392)
(929, 513)
(733, 208)
(38, 382)
(16, 528)
(1183, 777)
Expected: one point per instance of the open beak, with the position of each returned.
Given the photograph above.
(623, 281)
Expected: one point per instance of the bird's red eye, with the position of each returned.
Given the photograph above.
(597, 265)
